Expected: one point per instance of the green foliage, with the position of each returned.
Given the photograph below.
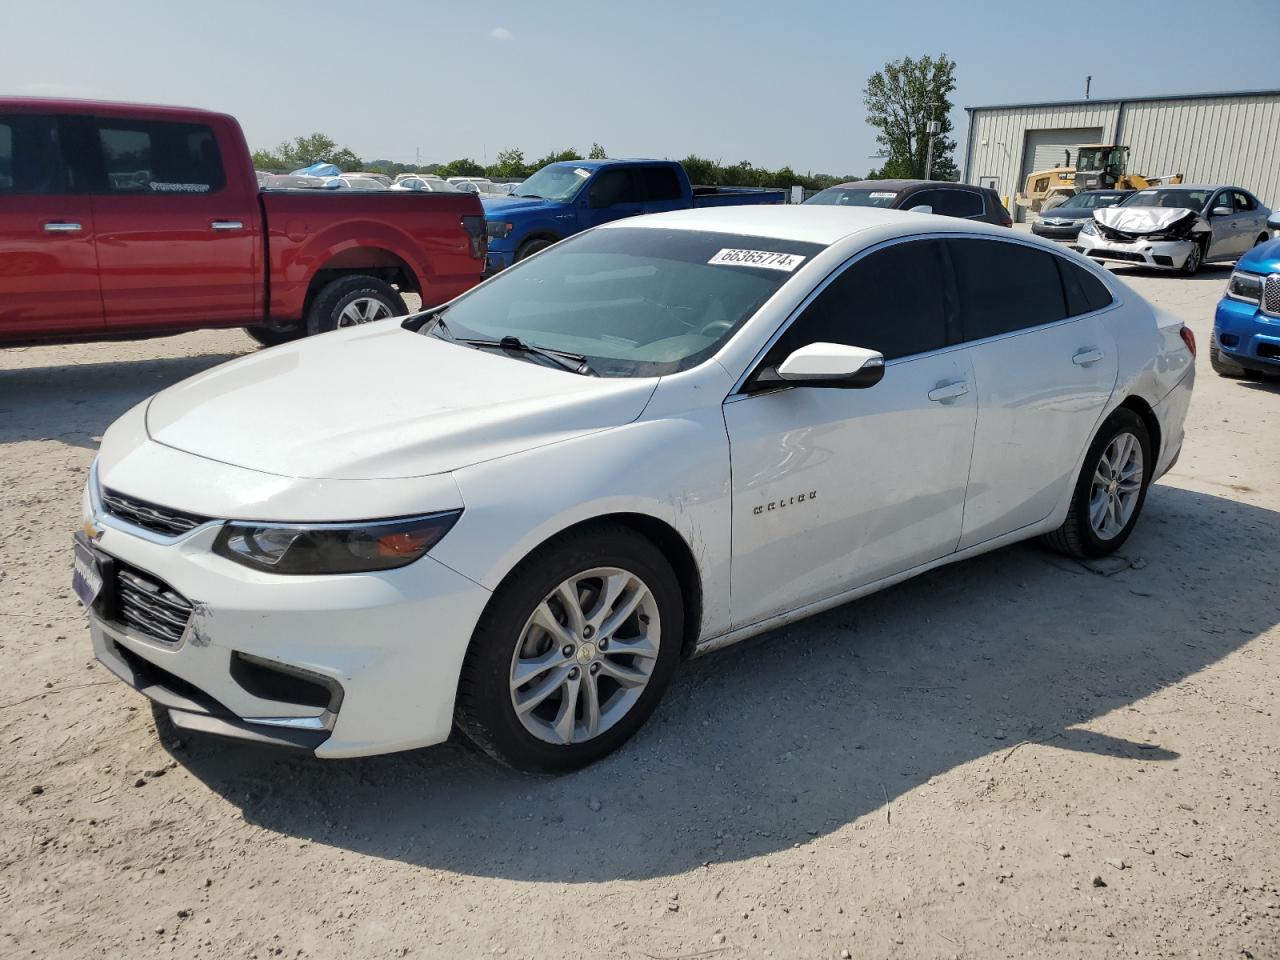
(304, 151)
(393, 168)
(710, 173)
(466, 167)
(901, 99)
(597, 153)
(510, 164)
(554, 157)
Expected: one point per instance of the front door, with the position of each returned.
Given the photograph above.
(177, 238)
(48, 271)
(836, 488)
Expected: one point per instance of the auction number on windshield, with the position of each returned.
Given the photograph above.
(758, 258)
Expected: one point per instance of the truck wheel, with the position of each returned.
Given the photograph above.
(352, 300)
(1225, 367)
(530, 247)
(274, 336)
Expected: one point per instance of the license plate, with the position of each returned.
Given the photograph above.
(86, 573)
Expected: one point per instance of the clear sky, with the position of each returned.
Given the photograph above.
(772, 83)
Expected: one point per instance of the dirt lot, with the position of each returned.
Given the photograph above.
(1017, 756)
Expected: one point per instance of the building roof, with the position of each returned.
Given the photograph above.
(1109, 100)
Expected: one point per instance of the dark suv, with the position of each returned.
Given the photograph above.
(934, 196)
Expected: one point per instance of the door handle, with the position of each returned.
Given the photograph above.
(226, 225)
(1084, 358)
(62, 226)
(948, 391)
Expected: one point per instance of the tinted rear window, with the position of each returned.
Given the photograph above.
(957, 203)
(30, 157)
(1005, 287)
(155, 157)
(662, 183)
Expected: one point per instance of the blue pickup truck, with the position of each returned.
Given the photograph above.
(565, 198)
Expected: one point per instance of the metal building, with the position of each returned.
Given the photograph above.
(1208, 137)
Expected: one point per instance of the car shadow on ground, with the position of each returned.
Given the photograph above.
(91, 395)
(1209, 273)
(802, 731)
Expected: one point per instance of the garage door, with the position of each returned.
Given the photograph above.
(1048, 148)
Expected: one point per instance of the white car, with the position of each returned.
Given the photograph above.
(517, 513)
(1176, 228)
(424, 184)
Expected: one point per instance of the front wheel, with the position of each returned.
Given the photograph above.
(573, 651)
(1110, 491)
(530, 247)
(1194, 259)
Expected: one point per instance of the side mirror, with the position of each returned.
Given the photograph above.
(828, 365)
(1273, 221)
(1221, 212)
(921, 208)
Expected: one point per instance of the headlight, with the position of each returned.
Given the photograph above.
(1245, 286)
(498, 229)
(1089, 228)
(300, 548)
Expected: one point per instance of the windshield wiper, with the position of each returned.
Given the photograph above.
(562, 358)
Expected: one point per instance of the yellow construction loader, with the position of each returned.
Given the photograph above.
(1098, 166)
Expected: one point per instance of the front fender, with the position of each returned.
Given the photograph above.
(674, 470)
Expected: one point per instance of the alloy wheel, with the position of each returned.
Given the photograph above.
(363, 310)
(1116, 487)
(585, 655)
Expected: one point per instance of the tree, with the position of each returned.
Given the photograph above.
(901, 99)
(304, 151)
(597, 153)
(510, 164)
(555, 157)
(465, 167)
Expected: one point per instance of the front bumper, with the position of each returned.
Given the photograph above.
(1053, 231)
(1157, 254)
(497, 260)
(388, 645)
(1247, 335)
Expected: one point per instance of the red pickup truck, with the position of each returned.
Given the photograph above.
(123, 221)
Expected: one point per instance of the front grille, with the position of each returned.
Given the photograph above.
(1269, 350)
(1271, 294)
(1123, 255)
(149, 605)
(150, 516)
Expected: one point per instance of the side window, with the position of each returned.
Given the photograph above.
(928, 198)
(153, 157)
(661, 183)
(30, 155)
(613, 187)
(892, 300)
(958, 203)
(1084, 292)
(1241, 201)
(1005, 287)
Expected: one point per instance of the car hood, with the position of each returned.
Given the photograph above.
(1142, 219)
(382, 402)
(1264, 258)
(497, 207)
(1070, 213)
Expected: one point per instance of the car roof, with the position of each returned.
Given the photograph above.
(899, 185)
(810, 223)
(1191, 186)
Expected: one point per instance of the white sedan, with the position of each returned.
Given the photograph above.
(518, 513)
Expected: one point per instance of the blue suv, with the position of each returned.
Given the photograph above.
(1246, 326)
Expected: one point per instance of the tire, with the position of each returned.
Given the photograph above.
(273, 337)
(350, 300)
(1194, 261)
(1221, 365)
(530, 247)
(508, 637)
(1262, 238)
(1079, 536)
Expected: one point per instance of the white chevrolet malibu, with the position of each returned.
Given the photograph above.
(516, 514)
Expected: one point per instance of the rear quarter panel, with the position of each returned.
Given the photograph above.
(309, 231)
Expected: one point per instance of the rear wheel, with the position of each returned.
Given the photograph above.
(573, 651)
(352, 300)
(1110, 491)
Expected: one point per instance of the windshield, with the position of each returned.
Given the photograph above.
(557, 181)
(1093, 201)
(1192, 199)
(634, 302)
(859, 197)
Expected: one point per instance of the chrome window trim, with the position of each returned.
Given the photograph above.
(736, 392)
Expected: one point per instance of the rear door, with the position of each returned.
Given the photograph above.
(965, 204)
(1045, 365)
(663, 190)
(48, 272)
(177, 236)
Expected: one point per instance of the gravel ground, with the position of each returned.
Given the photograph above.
(1015, 756)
